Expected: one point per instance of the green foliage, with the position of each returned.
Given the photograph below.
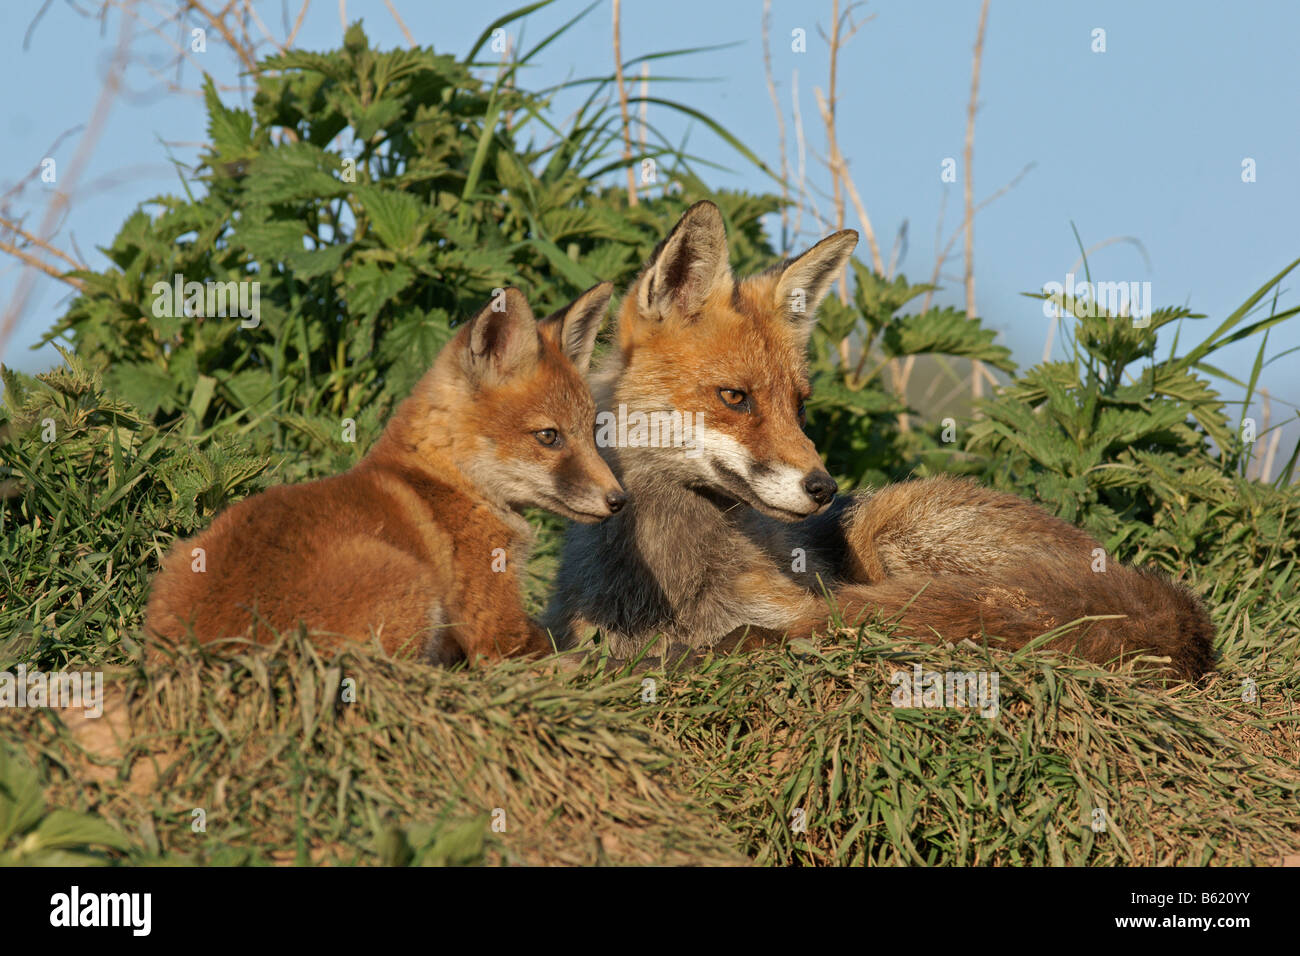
(91, 492)
(374, 198)
(1138, 449)
(32, 835)
(426, 844)
(854, 414)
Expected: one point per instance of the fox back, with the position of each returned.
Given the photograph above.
(422, 541)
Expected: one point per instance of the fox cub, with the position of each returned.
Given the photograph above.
(422, 542)
(731, 533)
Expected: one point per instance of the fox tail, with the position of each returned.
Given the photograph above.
(1120, 614)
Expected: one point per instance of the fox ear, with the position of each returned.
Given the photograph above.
(502, 339)
(573, 328)
(805, 281)
(687, 267)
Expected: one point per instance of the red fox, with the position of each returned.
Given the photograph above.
(422, 541)
(729, 538)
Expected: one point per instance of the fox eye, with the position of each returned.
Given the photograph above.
(733, 398)
(548, 437)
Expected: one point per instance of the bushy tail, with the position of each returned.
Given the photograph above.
(1019, 603)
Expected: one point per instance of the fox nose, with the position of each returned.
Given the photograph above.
(820, 487)
(615, 500)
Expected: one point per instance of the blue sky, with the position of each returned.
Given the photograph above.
(1145, 140)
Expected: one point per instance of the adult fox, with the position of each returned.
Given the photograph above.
(726, 538)
(421, 541)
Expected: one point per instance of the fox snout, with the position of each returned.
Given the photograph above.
(586, 490)
(595, 503)
(790, 494)
(820, 486)
(610, 493)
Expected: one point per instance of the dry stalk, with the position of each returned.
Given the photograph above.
(622, 104)
(977, 367)
(780, 127)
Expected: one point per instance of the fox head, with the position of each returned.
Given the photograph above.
(730, 357)
(507, 404)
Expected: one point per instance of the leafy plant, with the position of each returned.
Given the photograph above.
(32, 835)
(91, 492)
(854, 416)
(1140, 450)
(367, 201)
(426, 844)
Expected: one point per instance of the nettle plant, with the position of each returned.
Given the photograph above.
(374, 198)
(91, 493)
(854, 415)
(370, 199)
(1142, 450)
(32, 834)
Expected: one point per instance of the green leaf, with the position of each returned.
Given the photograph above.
(269, 241)
(461, 845)
(307, 264)
(145, 385)
(1214, 341)
(515, 14)
(394, 215)
(63, 829)
(830, 392)
(368, 286)
(945, 332)
(231, 130)
(370, 119)
(292, 172)
(21, 802)
(574, 272)
(201, 397)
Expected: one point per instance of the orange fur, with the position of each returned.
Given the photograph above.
(420, 543)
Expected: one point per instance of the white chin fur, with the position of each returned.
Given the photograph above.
(781, 488)
(784, 490)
